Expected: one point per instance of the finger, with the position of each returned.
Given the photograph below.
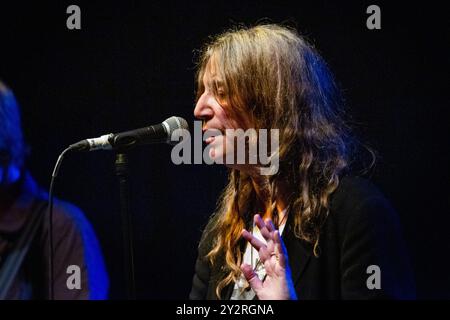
(268, 266)
(278, 241)
(270, 226)
(257, 244)
(271, 247)
(281, 249)
(264, 254)
(262, 227)
(251, 277)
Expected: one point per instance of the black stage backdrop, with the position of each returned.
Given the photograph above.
(132, 64)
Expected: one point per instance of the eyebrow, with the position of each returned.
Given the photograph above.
(215, 82)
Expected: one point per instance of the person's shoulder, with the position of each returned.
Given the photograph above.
(355, 190)
(357, 197)
(65, 213)
(69, 212)
(368, 232)
(68, 217)
(359, 186)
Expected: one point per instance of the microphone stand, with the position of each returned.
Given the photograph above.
(122, 173)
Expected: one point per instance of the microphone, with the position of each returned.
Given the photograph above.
(159, 133)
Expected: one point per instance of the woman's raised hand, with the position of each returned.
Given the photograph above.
(277, 284)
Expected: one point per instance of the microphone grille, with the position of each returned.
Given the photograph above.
(174, 123)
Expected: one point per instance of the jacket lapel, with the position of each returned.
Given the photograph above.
(228, 291)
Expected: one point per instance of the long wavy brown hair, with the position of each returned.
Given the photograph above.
(276, 79)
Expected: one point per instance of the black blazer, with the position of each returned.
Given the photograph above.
(361, 230)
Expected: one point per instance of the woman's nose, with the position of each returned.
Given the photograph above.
(202, 109)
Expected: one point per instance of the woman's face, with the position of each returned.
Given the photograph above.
(214, 108)
(212, 105)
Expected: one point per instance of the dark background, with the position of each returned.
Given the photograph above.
(132, 64)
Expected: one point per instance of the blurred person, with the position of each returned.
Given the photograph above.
(23, 204)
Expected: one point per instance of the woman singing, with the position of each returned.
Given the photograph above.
(314, 229)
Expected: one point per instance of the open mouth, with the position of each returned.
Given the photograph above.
(204, 129)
